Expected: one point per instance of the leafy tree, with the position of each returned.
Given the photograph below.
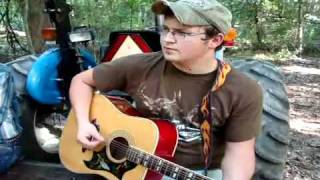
(271, 25)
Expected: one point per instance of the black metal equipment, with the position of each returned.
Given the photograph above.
(58, 11)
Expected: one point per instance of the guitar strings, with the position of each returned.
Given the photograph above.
(183, 173)
(124, 149)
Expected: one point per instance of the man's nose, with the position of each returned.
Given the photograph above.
(169, 37)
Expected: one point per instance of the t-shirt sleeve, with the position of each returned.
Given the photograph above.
(111, 75)
(126, 73)
(245, 119)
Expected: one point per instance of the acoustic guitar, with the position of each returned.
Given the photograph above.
(134, 148)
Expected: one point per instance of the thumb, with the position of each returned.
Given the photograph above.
(98, 136)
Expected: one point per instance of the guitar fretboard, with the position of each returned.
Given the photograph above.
(162, 166)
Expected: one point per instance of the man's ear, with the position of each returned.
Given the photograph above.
(216, 41)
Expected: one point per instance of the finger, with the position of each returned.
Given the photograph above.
(92, 144)
(84, 141)
(96, 135)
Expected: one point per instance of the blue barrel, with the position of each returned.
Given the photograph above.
(42, 80)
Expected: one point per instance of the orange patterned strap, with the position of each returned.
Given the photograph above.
(223, 70)
(206, 115)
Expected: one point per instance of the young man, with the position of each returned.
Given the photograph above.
(216, 109)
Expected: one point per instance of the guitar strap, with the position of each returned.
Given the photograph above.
(206, 117)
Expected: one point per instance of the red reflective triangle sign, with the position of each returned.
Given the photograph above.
(126, 44)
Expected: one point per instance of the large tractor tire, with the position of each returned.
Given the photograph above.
(272, 143)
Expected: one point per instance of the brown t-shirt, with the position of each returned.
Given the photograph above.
(160, 90)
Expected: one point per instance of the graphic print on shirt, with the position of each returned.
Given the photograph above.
(169, 109)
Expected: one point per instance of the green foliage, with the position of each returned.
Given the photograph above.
(15, 17)
(110, 15)
(271, 25)
(11, 23)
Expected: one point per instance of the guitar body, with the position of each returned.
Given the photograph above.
(119, 123)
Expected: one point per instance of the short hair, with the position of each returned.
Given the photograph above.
(168, 12)
(211, 32)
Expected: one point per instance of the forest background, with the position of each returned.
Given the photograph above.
(279, 28)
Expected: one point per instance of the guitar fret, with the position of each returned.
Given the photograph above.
(146, 160)
(176, 172)
(162, 166)
(133, 156)
(156, 164)
(182, 174)
(159, 165)
(190, 175)
(139, 158)
(129, 155)
(166, 165)
(153, 162)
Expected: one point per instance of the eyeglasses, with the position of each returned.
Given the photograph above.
(177, 35)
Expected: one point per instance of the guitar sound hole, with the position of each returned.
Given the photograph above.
(118, 148)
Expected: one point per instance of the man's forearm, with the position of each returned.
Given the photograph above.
(238, 171)
(80, 97)
(239, 161)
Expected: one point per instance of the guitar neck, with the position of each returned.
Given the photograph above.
(161, 165)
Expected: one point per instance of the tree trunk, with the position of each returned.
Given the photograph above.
(300, 28)
(259, 32)
(35, 20)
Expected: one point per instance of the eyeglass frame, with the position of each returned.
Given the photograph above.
(165, 31)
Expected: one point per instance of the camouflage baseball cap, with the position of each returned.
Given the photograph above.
(197, 12)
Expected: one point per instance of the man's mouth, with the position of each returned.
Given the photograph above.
(169, 49)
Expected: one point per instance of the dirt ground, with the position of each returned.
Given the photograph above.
(302, 77)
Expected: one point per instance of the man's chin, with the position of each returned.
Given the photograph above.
(170, 58)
